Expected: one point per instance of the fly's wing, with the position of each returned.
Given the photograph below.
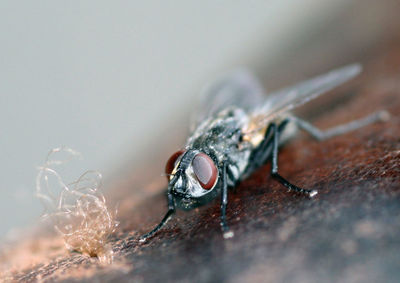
(288, 98)
(239, 88)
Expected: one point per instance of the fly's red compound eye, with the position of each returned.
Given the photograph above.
(172, 161)
(205, 170)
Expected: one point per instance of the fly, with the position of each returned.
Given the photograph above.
(238, 130)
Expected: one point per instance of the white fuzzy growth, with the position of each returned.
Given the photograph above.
(78, 211)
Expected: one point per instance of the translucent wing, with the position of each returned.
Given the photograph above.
(239, 88)
(288, 98)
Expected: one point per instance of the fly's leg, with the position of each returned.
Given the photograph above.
(341, 129)
(263, 152)
(264, 149)
(274, 168)
(224, 202)
(171, 210)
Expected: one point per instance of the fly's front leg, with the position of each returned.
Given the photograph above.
(341, 129)
(171, 210)
(224, 202)
(274, 168)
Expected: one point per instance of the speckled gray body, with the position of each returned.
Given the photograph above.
(220, 138)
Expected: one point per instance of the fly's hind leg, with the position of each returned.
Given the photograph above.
(341, 129)
(274, 169)
(269, 148)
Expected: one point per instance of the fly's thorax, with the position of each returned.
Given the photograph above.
(218, 127)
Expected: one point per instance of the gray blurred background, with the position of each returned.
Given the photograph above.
(110, 78)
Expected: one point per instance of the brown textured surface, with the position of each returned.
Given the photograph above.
(349, 232)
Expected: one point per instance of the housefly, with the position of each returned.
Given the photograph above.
(239, 129)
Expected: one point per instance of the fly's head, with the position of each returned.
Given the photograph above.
(192, 176)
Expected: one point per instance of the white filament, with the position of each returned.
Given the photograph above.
(79, 211)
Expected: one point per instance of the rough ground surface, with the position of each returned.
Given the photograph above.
(349, 232)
